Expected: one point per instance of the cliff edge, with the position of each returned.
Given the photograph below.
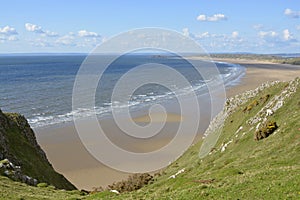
(18, 145)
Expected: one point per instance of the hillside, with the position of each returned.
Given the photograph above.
(239, 167)
(251, 160)
(18, 144)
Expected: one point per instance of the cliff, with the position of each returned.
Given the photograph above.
(18, 145)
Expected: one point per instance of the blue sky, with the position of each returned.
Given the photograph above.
(264, 26)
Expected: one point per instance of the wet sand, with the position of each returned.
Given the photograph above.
(69, 157)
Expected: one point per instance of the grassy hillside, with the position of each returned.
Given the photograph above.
(245, 169)
(14, 190)
(18, 144)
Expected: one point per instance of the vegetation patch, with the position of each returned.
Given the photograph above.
(42, 185)
(267, 129)
(262, 100)
(134, 182)
(249, 107)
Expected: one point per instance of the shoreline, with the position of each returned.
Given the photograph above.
(69, 157)
(259, 72)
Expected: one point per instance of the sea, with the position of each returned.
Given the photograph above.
(40, 86)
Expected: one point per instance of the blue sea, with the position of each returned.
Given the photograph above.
(39, 86)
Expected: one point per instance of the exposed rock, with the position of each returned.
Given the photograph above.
(233, 103)
(269, 112)
(260, 118)
(224, 146)
(177, 173)
(14, 172)
(274, 104)
(115, 191)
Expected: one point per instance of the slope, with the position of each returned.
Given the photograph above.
(239, 167)
(18, 144)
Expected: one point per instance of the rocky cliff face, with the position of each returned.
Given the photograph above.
(18, 144)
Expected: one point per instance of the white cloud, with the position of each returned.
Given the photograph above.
(8, 31)
(38, 29)
(203, 35)
(104, 39)
(72, 33)
(287, 35)
(207, 35)
(50, 34)
(66, 40)
(264, 34)
(41, 42)
(220, 42)
(277, 40)
(258, 26)
(33, 28)
(234, 34)
(12, 38)
(186, 32)
(84, 33)
(291, 13)
(213, 18)
(298, 27)
(201, 17)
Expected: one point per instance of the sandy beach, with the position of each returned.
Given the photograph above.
(258, 72)
(69, 157)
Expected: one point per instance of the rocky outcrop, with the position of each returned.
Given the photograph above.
(274, 104)
(18, 144)
(269, 106)
(14, 172)
(215, 127)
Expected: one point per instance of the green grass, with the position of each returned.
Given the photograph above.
(247, 169)
(14, 190)
(292, 61)
(32, 164)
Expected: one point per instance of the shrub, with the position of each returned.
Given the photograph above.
(51, 187)
(254, 103)
(134, 182)
(266, 130)
(264, 98)
(42, 185)
(250, 106)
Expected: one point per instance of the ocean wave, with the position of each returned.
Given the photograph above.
(139, 101)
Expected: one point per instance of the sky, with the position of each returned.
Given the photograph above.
(256, 26)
